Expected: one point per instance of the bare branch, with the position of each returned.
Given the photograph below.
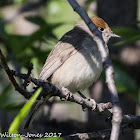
(12, 79)
(30, 67)
(99, 134)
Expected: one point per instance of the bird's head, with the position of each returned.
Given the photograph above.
(104, 28)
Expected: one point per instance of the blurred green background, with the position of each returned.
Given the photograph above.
(29, 30)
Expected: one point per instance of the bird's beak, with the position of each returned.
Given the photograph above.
(113, 34)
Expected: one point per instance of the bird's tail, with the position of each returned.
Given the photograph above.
(35, 110)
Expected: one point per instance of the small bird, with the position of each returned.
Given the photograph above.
(75, 62)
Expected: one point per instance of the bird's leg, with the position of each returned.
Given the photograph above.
(83, 96)
(67, 92)
(62, 99)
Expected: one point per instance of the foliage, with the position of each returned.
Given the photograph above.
(130, 35)
(14, 103)
(122, 84)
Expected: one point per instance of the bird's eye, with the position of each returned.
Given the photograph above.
(101, 29)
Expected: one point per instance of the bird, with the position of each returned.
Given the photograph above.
(75, 61)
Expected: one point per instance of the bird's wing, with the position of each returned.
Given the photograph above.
(68, 45)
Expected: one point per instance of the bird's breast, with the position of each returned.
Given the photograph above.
(81, 69)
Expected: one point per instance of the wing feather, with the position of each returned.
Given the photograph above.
(68, 45)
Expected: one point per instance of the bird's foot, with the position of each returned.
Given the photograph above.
(82, 95)
(84, 108)
(62, 99)
(67, 93)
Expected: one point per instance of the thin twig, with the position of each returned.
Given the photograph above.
(30, 67)
(99, 134)
(94, 135)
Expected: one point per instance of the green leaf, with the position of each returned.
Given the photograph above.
(37, 20)
(9, 100)
(128, 41)
(3, 34)
(130, 34)
(4, 92)
(45, 30)
(125, 31)
(125, 83)
(23, 112)
(88, 2)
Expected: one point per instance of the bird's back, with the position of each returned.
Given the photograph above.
(69, 44)
(75, 61)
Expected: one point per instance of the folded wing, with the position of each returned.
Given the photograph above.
(67, 46)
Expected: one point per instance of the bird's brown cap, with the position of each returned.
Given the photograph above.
(99, 22)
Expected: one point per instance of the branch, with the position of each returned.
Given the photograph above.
(100, 134)
(101, 108)
(12, 79)
(109, 70)
(25, 84)
(51, 89)
(94, 135)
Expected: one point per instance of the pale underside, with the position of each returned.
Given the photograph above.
(74, 63)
